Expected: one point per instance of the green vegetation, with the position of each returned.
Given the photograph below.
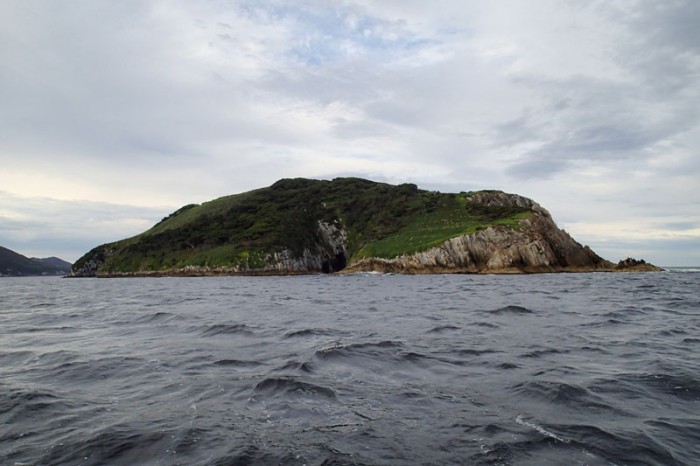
(241, 230)
(431, 230)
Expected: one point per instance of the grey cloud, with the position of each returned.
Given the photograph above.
(665, 51)
(591, 142)
(598, 119)
(672, 23)
(350, 130)
(682, 226)
(67, 229)
(599, 122)
(662, 252)
(120, 87)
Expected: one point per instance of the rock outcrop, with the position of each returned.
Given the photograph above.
(328, 255)
(536, 245)
(634, 265)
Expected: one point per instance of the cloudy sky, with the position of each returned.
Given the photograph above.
(115, 113)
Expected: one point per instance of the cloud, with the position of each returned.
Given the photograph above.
(41, 227)
(630, 113)
(164, 103)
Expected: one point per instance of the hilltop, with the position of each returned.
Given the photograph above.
(301, 226)
(14, 264)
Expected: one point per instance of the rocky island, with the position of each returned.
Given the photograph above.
(303, 226)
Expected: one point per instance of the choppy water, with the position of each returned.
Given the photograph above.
(594, 369)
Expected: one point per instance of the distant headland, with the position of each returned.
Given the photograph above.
(13, 264)
(304, 226)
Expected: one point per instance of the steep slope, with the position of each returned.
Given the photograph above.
(534, 245)
(14, 264)
(311, 226)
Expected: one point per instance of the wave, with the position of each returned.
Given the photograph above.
(226, 329)
(671, 430)
(486, 324)
(46, 329)
(236, 363)
(683, 269)
(618, 446)
(573, 444)
(538, 353)
(649, 385)
(474, 352)
(443, 328)
(383, 356)
(251, 454)
(516, 310)
(97, 369)
(16, 358)
(296, 366)
(311, 332)
(158, 317)
(560, 393)
(275, 386)
(625, 313)
(683, 386)
(377, 350)
(111, 445)
(507, 365)
(23, 403)
(520, 420)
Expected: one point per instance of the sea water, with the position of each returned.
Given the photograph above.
(589, 369)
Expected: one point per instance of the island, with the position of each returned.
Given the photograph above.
(306, 226)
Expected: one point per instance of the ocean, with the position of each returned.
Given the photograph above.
(575, 369)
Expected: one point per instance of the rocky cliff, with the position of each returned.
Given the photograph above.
(351, 225)
(535, 245)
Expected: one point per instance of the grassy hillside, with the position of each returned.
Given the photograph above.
(381, 220)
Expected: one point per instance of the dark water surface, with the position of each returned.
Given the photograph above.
(588, 369)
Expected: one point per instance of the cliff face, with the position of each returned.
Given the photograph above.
(535, 245)
(328, 255)
(308, 226)
(533, 248)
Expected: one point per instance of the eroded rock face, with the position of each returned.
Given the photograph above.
(536, 245)
(92, 266)
(501, 199)
(328, 254)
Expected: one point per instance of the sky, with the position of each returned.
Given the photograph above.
(113, 114)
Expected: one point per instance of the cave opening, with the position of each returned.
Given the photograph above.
(334, 264)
